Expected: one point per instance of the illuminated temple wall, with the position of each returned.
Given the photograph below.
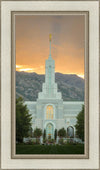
(67, 115)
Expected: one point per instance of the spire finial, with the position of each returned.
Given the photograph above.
(50, 36)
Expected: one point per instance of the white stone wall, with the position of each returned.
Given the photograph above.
(65, 114)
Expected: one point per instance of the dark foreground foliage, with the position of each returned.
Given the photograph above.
(23, 120)
(50, 149)
(80, 124)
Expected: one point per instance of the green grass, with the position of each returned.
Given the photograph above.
(50, 149)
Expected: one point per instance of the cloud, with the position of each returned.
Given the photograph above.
(28, 68)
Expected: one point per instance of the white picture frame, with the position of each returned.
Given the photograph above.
(6, 161)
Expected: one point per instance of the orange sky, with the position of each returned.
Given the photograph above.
(32, 43)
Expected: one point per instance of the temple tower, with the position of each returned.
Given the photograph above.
(49, 106)
(49, 88)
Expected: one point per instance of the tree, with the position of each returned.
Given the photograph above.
(44, 134)
(37, 132)
(80, 124)
(55, 134)
(62, 133)
(23, 120)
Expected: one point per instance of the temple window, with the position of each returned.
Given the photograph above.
(49, 112)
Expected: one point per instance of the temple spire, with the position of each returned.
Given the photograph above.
(50, 36)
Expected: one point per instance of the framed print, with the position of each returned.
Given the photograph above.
(54, 114)
(50, 85)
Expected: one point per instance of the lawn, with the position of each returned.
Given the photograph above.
(50, 149)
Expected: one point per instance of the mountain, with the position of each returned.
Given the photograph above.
(28, 85)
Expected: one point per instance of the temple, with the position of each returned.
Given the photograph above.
(50, 112)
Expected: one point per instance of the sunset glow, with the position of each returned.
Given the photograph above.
(24, 68)
(67, 46)
(80, 75)
(39, 70)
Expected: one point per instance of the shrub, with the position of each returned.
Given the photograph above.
(62, 132)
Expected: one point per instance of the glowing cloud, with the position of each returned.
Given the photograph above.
(80, 75)
(18, 66)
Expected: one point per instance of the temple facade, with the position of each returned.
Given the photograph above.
(50, 112)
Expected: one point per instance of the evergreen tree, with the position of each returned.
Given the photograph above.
(55, 134)
(80, 124)
(44, 134)
(23, 120)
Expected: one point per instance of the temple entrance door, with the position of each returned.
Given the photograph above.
(49, 131)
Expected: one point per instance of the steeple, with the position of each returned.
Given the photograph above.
(49, 88)
(50, 37)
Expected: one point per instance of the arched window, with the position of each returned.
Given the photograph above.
(49, 112)
(49, 131)
(70, 132)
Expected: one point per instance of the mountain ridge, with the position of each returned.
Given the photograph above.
(28, 85)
